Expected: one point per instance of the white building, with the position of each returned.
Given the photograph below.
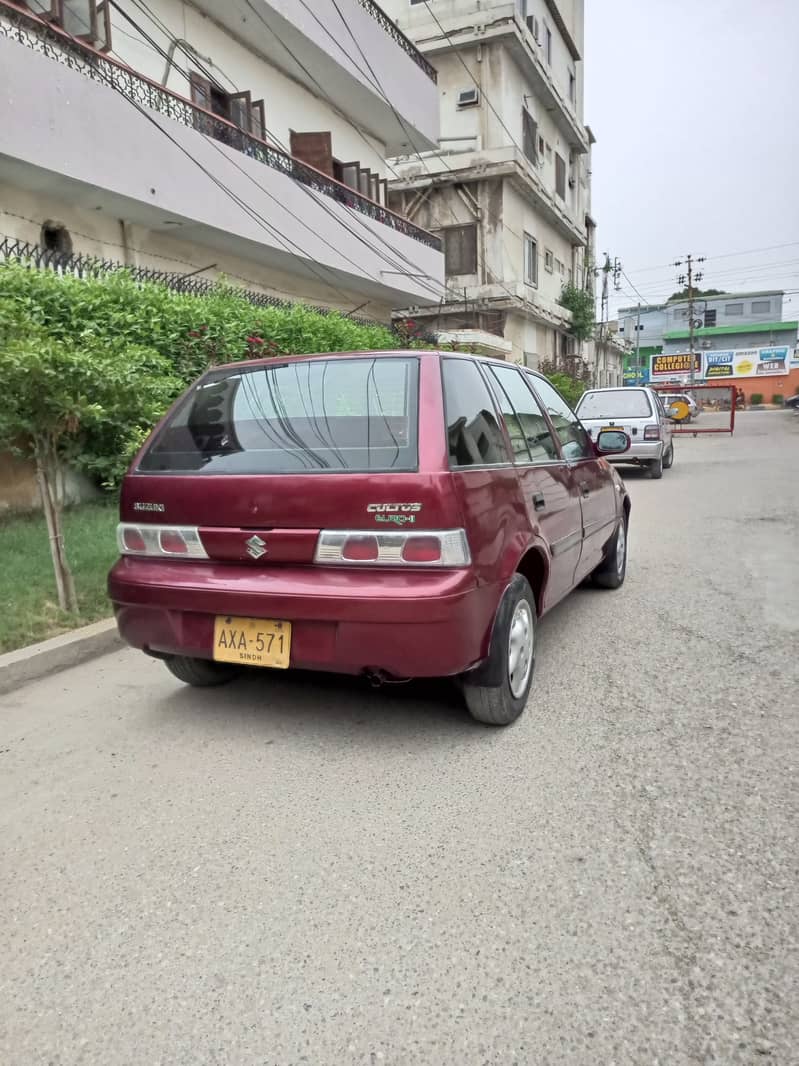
(246, 138)
(509, 189)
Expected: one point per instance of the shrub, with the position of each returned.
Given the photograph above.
(756, 398)
(778, 399)
(178, 335)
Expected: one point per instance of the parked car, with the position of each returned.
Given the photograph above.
(393, 514)
(638, 412)
(793, 403)
(675, 403)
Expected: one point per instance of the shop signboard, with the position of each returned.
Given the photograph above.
(675, 368)
(746, 362)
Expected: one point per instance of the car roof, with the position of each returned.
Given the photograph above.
(369, 353)
(619, 388)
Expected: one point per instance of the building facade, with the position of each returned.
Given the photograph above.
(247, 139)
(508, 190)
(728, 309)
(738, 338)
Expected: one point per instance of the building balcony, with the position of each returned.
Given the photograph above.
(512, 296)
(88, 130)
(483, 164)
(469, 23)
(382, 82)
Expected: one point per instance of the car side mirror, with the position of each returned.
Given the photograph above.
(611, 442)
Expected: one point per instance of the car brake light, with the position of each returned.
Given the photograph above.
(360, 549)
(160, 541)
(421, 550)
(131, 540)
(431, 548)
(652, 433)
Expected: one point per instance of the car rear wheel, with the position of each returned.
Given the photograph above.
(656, 468)
(668, 458)
(511, 660)
(201, 673)
(611, 573)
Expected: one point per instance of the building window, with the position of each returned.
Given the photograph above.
(548, 44)
(529, 136)
(572, 86)
(560, 176)
(55, 237)
(460, 250)
(560, 266)
(710, 317)
(549, 261)
(761, 307)
(88, 20)
(238, 108)
(530, 260)
(733, 309)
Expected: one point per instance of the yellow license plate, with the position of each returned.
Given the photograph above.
(252, 641)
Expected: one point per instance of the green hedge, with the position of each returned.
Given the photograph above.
(113, 313)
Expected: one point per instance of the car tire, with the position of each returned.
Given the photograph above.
(513, 638)
(611, 572)
(668, 458)
(200, 673)
(656, 468)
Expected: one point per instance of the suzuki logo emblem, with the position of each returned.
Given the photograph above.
(255, 546)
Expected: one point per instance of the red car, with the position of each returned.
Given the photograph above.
(394, 514)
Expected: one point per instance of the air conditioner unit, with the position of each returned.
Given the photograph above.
(571, 183)
(468, 98)
(534, 28)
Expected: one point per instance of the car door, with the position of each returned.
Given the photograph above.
(593, 477)
(547, 485)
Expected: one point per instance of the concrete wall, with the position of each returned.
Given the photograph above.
(51, 146)
(19, 490)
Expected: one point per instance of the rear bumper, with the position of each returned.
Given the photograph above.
(419, 624)
(640, 452)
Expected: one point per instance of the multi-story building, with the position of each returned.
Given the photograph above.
(509, 188)
(247, 139)
(738, 338)
(654, 321)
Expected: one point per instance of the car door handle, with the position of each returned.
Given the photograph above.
(585, 488)
(539, 503)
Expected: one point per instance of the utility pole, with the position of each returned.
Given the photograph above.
(688, 279)
(638, 369)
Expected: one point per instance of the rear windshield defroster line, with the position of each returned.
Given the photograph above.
(292, 418)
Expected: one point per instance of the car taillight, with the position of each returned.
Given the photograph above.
(359, 549)
(160, 541)
(652, 433)
(353, 547)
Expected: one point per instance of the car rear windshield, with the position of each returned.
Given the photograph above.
(616, 403)
(292, 418)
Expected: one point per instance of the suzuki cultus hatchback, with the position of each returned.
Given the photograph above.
(392, 514)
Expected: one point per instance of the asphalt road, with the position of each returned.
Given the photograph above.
(299, 869)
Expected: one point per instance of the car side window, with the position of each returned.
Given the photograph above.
(530, 435)
(474, 435)
(574, 440)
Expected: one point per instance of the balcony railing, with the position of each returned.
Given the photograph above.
(27, 29)
(393, 30)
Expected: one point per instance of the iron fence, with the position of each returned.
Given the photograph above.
(50, 41)
(81, 266)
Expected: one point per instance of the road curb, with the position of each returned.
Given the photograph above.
(37, 660)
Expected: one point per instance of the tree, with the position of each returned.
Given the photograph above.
(55, 394)
(581, 304)
(684, 294)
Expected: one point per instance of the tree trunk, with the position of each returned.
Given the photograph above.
(47, 478)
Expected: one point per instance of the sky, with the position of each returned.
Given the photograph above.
(695, 107)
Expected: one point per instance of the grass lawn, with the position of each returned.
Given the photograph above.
(29, 609)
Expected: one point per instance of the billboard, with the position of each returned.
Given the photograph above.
(746, 362)
(671, 367)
